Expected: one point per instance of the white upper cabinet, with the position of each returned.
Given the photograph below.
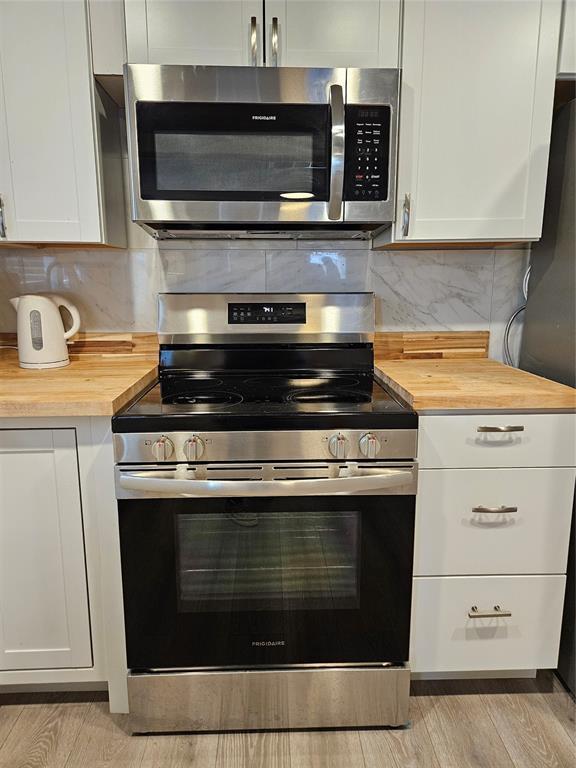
(476, 109)
(50, 170)
(44, 622)
(293, 33)
(567, 55)
(332, 33)
(206, 32)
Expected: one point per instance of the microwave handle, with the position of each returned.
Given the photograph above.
(336, 153)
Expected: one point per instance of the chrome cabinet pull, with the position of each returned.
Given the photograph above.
(2, 220)
(274, 59)
(495, 510)
(254, 41)
(336, 153)
(495, 613)
(406, 216)
(509, 428)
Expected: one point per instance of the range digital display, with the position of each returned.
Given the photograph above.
(270, 313)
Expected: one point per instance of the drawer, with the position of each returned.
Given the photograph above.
(445, 639)
(537, 440)
(454, 539)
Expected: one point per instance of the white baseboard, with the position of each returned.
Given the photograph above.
(52, 687)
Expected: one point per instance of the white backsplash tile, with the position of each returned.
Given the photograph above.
(416, 290)
(317, 269)
(212, 271)
(112, 289)
(432, 290)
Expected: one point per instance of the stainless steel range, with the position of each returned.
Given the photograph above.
(266, 488)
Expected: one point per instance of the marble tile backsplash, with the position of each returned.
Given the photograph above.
(415, 290)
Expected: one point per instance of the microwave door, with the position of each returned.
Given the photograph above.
(270, 149)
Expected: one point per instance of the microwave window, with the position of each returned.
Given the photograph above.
(199, 151)
(208, 162)
(246, 560)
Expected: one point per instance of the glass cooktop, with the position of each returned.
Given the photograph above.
(265, 399)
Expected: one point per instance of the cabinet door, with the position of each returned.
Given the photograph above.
(50, 185)
(446, 636)
(476, 108)
(493, 521)
(44, 620)
(206, 32)
(332, 33)
(567, 56)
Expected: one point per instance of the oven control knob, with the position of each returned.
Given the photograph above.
(338, 446)
(194, 448)
(162, 448)
(369, 445)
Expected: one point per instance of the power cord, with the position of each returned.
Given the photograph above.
(507, 354)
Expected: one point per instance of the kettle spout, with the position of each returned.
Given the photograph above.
(15, 302)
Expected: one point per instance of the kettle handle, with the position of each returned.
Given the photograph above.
(60, 301)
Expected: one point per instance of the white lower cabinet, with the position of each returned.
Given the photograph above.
(445, 639)
(493, 521)
(44, 619)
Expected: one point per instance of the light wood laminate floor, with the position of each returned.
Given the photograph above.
(455, 724)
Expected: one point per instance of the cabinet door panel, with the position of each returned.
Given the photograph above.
(44, 620)
(445, 639)
(477, 91)
(45, 68)
(539, 440)
(205, 32)
(567, 56)
(334, 33)
(454, 538)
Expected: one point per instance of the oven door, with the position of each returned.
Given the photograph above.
(256, 566)
(235, 144)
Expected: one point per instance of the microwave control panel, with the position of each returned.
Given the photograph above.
(367, 153)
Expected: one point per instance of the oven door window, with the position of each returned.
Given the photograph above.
(244, 560)
(207, 151)
(266, 581)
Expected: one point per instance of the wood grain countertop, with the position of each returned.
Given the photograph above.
(94, 384)
(477, 384)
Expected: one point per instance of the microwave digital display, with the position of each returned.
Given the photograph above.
(270, 313)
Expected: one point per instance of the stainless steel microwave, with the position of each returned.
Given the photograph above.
(249, 151)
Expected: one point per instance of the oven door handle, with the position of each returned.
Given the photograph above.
(336, 153)
(387, 481)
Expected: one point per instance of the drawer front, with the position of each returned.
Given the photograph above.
(533, 440)
(454, 537)
(445, 639)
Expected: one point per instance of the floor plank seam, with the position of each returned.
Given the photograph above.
(10, 730)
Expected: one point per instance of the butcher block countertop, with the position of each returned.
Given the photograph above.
(430, 371)
(101, 378)
(478, 384)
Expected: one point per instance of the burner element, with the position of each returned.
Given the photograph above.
(302, 382)
(204, 398)
(328, 396)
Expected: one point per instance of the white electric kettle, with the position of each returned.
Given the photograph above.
(41, 334)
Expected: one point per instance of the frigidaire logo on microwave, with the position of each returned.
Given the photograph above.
(263, 117)
(268, 643)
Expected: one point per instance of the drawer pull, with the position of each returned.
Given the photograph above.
(495, 510)
(495, 613)
(508, 428)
